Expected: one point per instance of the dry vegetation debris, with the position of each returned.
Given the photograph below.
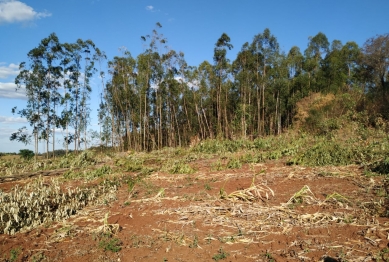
(259, 208)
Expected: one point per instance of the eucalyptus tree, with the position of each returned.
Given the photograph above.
(89, 69)
(168, 99)
(79, 67)
(29, 79)
(333, 69)
(155, 67)
(189, 114)
(122, 95)
(280, 93)
(144, 81)
(375, 65)
(23, 136)
(265, 48)
(72, 74)
(318, 47)
(50, 50)
(103, 116)
(222, 66)
(243, 75)
(205, 100)
(351, 54)
(41, 79)
(296, 81)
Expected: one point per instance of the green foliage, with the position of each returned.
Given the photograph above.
(26, 154)
(234, 163)
(195, 243)
(269, 257)
(217, 166)
(14, 254)
(325, 153)
(383, 254)
(254, 157)
(177, 167)
(83, 159)
(88, 174)
(216, 146)
(38, 257)
(316, 123)
(221, 254)
(262, 143)
(130, 164)
(207, 186)
(131, 182)
(110, 244)
(381, 167)
(86, 158)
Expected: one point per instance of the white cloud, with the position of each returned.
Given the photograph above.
(7, 71)
(8, 90)
(149, 8)
(12, 120)
(13, 11)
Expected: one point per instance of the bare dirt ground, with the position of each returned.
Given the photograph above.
(287, 213)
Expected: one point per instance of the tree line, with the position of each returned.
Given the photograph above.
(157, 100)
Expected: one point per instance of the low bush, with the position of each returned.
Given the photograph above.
(26, 154)
(324, 153)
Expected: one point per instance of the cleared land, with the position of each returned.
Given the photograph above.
(184, 205)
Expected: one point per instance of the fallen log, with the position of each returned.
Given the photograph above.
(33, 174)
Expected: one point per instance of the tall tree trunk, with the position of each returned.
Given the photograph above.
(226, 129)
(54, 116)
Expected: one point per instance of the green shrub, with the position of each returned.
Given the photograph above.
(234, 164)
(262, 144)
(130, 164)
(381, 167)
(86, 158)
(178, 167)
(221, 254)
(26, 154)
(111, 244)
(325, 153)
(88, 174)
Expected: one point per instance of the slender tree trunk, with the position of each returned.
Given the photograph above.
(54, 116)
(160, 142)
(259, 110)
(178, 127)
(144, 124)
(226, 128)
(263, 98)
(206, 121)
(218, 97)
(76, 136)
(48, 128)
(202, 128)
(36, 142)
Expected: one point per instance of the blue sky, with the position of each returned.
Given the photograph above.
(190, 26)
